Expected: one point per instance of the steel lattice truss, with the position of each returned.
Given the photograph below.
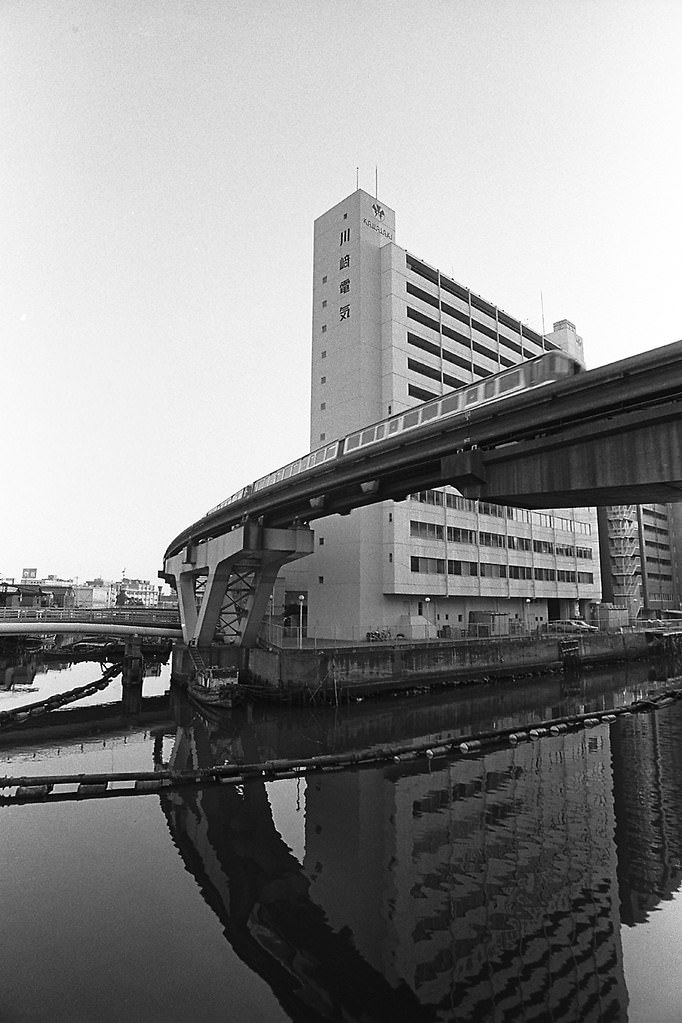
(238, 598)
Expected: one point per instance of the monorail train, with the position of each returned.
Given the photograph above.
(542, 370)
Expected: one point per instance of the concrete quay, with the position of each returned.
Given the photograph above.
(342, 674)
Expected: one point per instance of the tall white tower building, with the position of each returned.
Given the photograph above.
(390, 331)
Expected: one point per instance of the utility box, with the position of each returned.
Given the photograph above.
(608, 616)
(483, 624)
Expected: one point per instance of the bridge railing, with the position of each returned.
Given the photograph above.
(123, 616)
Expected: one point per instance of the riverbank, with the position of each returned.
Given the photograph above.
(341, 674)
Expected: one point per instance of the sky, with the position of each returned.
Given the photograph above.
(161, 166)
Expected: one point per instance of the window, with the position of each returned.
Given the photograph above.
(543, 547)
(423, 295)
(491, 539)
(457, 535)
(427, 566)
(420, 392)
(426, 530)
(324, 328)
(323, 406)
(323, 436)
(323, 380)
(321, 541)
(324, 304)
(324, 354)
(324, 279)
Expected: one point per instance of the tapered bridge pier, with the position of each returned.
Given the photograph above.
(224, 583)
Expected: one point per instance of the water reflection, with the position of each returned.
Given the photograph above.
(488, 888)
(480, 889)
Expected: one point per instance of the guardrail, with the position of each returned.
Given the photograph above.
(288, 637)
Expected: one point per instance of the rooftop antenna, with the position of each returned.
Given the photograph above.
(542, 307)
(357, 178)
(376, 181)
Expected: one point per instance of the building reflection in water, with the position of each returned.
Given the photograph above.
(472, 889)
(647, 770)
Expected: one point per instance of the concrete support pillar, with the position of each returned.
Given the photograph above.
(133, 675)
(239, 571)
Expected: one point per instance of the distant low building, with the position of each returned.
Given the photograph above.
(9, 594)
(138, 591)
(96, 593)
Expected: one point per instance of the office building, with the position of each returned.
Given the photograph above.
(391, 331)
(641, 557)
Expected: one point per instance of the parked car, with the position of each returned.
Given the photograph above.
(566, 625)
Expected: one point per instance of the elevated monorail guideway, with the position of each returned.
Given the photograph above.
(541, 434)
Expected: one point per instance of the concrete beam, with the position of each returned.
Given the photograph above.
(628, 462)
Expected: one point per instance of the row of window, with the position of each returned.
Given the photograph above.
(437, 566)
(441, 352)
(435, 374)
(457, 502)
(472, 325)
(653, 514)
(455, 534)
(446, 284)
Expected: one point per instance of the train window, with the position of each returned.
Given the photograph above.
(489, 389)
(353, 441)
(367, 436)
(331, 451)
(411, 419)
(430, 412)
(449, 404)
(511, 380)
(380, 431)
(319, 457)
(471, 396)
(287, 471)
(393, 426)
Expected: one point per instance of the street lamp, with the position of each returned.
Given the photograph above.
(427, 601)
(301, 601)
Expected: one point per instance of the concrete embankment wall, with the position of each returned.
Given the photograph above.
(354, 671)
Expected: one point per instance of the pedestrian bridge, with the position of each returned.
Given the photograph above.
(607, 436)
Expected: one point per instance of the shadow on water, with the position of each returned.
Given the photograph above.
(487, 888)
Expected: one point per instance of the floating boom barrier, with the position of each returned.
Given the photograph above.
(19, 717)
(60, 788)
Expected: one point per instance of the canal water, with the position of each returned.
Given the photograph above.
(536, 882)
